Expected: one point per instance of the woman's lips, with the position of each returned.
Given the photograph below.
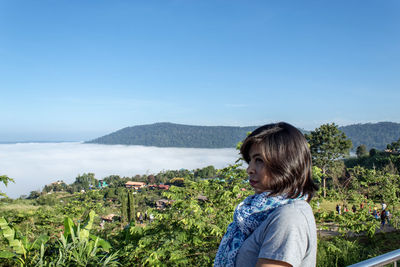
(252, 182)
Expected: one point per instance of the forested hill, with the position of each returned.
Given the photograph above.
(372, 135)
(177, 135)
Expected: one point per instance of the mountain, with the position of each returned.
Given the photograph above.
(177, 135)
(372, 135)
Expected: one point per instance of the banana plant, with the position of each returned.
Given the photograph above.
(80, 248)
(76, 232)
(20, 246)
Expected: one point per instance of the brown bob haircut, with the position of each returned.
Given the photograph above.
(287, 157)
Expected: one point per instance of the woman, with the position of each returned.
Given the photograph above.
(275, 226)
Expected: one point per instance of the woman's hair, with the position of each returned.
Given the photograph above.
(287, 158)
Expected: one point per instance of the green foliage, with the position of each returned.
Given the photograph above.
(20, 249)
(177, 135)
(131, 207)
(58, 186)
(394, 146)
(78, 204)
(33, 195)
(344, 251)
(75, 247)
(123, 198)
(189, 232)
(83, 182)
(372, 135)
(113, 181)
(5, 180)
(361, 151)
(167, 176)
(327, 144)
(376, 160)
(82, 253)
(376, 185)
(339, 252)
(206, 172)
(75, 232)
(177, 181)
(358, 222)
(317, 174)
(47, 199)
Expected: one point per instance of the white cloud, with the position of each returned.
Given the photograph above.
(33, 165)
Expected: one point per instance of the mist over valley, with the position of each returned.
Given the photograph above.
(33, 165)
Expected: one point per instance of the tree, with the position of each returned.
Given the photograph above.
(85, 182)
(327, 144)
(361, 151)
(189, 231)
(177, 181)
(34, 195)
(131, 207)
(207, 172)
(151, 179)
(124, 207)
(5, 180)
(395, 146)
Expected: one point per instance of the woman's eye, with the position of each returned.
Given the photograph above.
(258, 160)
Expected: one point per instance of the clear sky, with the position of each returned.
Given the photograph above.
(75, 70)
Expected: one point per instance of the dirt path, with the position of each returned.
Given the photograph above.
(334, 231)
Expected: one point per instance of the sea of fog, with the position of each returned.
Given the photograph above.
(33, 165)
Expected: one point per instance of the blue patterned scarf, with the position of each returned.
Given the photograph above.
(248, 215)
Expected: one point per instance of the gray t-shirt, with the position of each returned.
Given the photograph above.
(288, 234)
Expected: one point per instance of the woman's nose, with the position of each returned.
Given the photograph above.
(250, 169)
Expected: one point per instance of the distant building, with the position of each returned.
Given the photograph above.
(102, 184)
(394, 151)
(161, 186)
(109, 218)
(163, 203)
(134, 185)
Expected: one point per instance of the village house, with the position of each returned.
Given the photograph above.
(109, 218)
(163, 186)
(162, 203)
(160, 186)
(134, 185)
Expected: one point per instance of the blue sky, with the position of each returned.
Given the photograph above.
(76, 70)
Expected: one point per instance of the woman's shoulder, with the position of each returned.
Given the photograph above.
(297, 211)
(297, 206)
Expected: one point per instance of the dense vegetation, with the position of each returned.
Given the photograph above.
(372, 135)
(177, 135)
(63, 225)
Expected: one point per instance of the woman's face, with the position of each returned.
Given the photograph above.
(257, 170)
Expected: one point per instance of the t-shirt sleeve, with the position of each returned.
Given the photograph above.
(285, 238)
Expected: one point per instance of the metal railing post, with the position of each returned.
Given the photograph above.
(390, 257)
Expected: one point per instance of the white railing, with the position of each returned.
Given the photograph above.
(391, 257)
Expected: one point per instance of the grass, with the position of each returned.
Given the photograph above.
(20, 207)
(342, 251)
(329, 205)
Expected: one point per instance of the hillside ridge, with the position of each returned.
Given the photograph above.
(167, 134)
